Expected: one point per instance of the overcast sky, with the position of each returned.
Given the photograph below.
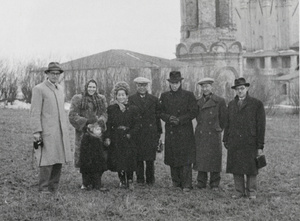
(67, 29)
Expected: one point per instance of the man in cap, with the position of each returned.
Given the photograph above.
(244, 139)
(211, 119)
(147, 141)
(179, 108)
(49, 125)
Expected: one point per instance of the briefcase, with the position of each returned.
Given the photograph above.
(261, 161)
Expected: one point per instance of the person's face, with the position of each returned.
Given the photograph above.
(142, 88)
(175, 85)
(91, 89)
(241, 91)
(121, 96)
(206, 89)
(53, 76)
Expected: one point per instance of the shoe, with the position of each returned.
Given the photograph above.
(215, 189)
(130, 185)
(83, 187)
(200, 186)
(236, 196)
(186, 190)
(122, 185)
(45, 192)
(253, 197)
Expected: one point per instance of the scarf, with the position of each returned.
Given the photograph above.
(95, 99)
(121, 105)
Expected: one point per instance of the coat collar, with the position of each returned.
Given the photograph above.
(245, 101)
(210, 103)
(50, 85)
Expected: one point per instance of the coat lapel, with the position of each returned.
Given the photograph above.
(142, 104)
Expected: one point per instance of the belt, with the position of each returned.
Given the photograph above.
(122, 128)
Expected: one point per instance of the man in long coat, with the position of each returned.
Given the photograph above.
(147, 140)
(211, 119)
(49, 124)
(179, 108)
(244, 139)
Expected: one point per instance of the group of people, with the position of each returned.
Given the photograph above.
(123, 136)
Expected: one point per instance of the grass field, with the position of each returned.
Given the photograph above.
(278, 198)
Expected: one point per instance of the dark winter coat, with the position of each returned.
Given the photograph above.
(78, 117)
(179, 139)
(149, 111)
(122, 151)
(211, 120)
(93, 155)
(244, 135)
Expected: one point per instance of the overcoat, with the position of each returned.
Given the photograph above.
(244, 131)
(79, 117)
(122, 150)
(211, 120)
(179, 139)
(149, 133)
(48, 116)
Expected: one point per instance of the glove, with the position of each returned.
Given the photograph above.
(260, 146)
(174, 120)
(92, 120)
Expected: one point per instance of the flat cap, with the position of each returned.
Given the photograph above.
(141, 80)
(206, 81)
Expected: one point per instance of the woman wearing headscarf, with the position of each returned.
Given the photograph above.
(122, 130)
(88, 116)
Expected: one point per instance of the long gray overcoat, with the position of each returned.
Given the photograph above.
(179, 140)
(150, 128)
(78, 118)
(48, 116)
(244, 131)
(211, 120)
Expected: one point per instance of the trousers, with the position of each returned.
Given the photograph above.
(214, 179)
(140, 172)
(49, 177)
(244, 186)
(182, 176)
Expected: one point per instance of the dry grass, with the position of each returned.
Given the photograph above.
(278, 199)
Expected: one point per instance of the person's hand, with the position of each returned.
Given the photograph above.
(107, 142)
(37, 136)
(128, 136)
(260, 146)
(174, 120)
(225, 145)
(260, 152)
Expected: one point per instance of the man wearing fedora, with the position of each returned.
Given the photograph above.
(147, 141)
(211, 119)
(244, 139)
(49, 125)
(179, 108)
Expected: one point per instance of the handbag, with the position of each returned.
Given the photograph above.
(261, 161)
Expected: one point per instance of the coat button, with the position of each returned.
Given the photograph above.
(150, 125)
(171, 132)
(210, 112)
(209, 132)
(209, 122)
(240, 135)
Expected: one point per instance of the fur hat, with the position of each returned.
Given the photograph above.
(121, 85)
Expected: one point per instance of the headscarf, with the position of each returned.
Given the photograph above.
(94, 98)
(121, 85)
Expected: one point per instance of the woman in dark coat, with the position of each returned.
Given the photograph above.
(178, 109)
(122, 129)
(86, 109)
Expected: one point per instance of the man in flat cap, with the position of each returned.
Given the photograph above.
(244, 139)
(211, 119)
(179, 108)
(49, 125)
(149, 135)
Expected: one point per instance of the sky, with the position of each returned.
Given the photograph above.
(63, 30)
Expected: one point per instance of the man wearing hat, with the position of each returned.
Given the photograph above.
(211, 119)
(147, 141)
(244, 139)
(179, 108)
(49, 125)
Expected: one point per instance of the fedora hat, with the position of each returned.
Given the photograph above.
(175, 76)
(54, 66)
(239, 82)
(206, 81)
